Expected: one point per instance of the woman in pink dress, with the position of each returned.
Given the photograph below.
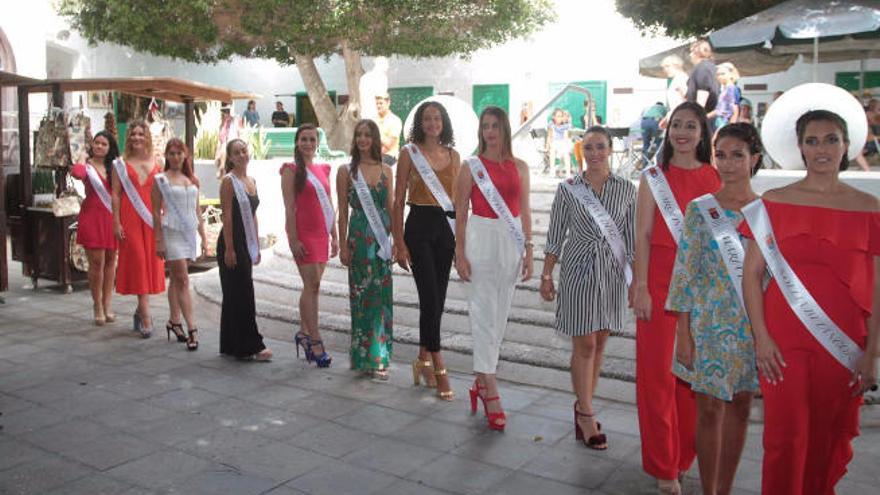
(140, 271)
(95, 225)
(311, 233)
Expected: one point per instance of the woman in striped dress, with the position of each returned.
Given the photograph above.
(592, 286)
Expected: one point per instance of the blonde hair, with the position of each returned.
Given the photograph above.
(731, 70)
(672, 61)
(148, 138)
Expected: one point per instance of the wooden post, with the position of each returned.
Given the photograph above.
(3, 268)
(24, 149)
(190, 126)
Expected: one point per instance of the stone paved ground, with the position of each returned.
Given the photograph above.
(100, 411)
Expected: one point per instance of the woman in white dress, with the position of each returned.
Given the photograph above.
(176, 221)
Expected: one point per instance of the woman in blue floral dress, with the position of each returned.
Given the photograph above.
(369, 276)
(714, 346)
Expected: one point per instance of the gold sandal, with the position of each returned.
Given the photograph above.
(447, 395)
(418, 371)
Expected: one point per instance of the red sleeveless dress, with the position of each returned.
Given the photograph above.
(666, 404)
(310, 227)
(139, 270)
(810, 417)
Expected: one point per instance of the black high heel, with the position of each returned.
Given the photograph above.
(302, 340)
(176, 329)
(192, 343)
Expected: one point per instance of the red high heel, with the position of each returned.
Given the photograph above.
(595, 442)
(496, 420)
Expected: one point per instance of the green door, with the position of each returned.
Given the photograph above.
(574, 101)
(403, 100)
(850, 80)
(491, 95)
(305, 112)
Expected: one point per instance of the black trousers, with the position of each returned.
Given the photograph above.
(431, 247)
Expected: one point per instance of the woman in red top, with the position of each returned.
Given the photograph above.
(140, 271)
(829, 232)
(667, 411)
(95, 223)
(309, 234)
(486, 253)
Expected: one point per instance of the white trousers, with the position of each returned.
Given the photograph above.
(495, 268)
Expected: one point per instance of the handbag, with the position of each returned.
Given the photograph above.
(67, 203)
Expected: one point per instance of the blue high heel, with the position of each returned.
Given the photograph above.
(323, 360)
(302, 340)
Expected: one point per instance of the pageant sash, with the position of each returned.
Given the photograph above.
(729, 245)
(189, 223)
(823, 329)
(373, 216)
(323, 198)
(665, 200)
(429, 177)
(493, 197)
(247, 217)
(136, 201)
(98, 187)
(605, 223)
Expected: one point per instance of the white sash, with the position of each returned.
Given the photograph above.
(729, 245)
(136, 201)
(493, 197)
(665, 200)
(429, 177)
(373, 217)
(823, 329)
(189, 222)
(323, 198)
(247, 217)
(605, 223)
(98, 187)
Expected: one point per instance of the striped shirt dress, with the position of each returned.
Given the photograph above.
(592, 292)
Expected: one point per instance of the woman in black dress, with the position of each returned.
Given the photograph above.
(239, 336)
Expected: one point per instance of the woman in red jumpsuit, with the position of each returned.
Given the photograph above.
(667, 411)
(829, 233)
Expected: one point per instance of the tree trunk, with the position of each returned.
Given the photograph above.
(317, 91)
(339, 127)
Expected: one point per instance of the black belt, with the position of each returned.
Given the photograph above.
(438, 209)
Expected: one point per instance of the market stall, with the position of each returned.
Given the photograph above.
(41, 231)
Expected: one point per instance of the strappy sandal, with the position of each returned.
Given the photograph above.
(176, 329)
(595, 442)
(447, 395)
(192, 342)
(420, 372)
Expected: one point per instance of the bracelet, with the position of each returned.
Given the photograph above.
(546, 277)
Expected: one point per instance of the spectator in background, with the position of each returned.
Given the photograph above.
(559, 141)
(251, 115)
(280, 118)
(651, 135)
(872, 113)
(746, 112)
(677, 90)
(725, 110)
(702, 85)
(390, 127)
(733, 74)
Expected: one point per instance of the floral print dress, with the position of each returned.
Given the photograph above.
(370, 285)
(724, 362)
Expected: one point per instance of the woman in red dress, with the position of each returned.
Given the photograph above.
(829, 233)
(95, 223)
(311, 241)
(667, 411)
(140, 272)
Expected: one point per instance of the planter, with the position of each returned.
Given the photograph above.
(44, 199)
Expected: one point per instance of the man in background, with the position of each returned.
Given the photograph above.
(280, 118)
(390, 127)
(702, 86)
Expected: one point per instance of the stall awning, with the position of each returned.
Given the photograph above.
(161, 88)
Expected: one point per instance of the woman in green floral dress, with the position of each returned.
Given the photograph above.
(369, 275)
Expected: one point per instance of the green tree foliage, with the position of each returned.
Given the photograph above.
(687, 18)
(298, 31)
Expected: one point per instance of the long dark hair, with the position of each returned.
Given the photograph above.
(375, 145)
(186, 167)
(501, 115)
(825, 116)
(112, 151)
(747, 134)
(704, 147)
(598, 129)
(417, 133)
(228, 165)
(299, 176)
